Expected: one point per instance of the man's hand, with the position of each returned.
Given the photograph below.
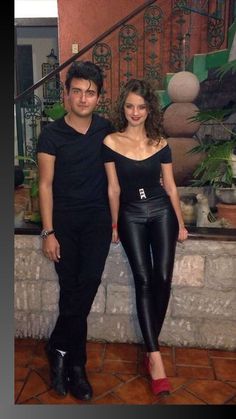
(51, 248)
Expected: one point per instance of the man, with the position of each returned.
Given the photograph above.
(76, 221)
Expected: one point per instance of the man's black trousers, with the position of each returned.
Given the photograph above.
(84, 238)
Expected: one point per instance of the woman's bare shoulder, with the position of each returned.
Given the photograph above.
(163, 142)
(111, 139)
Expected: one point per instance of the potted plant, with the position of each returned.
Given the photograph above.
(55, 111)
(218, 167)
(34, 215)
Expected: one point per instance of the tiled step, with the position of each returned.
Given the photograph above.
(200, 64)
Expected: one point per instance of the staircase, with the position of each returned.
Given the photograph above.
(200, 64)
(132, 62)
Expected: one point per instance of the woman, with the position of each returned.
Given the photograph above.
(146, 216)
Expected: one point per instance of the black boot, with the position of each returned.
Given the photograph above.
(79, 384)
(58, 370)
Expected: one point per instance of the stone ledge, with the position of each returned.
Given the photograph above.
(203, 294)
(195, 233)
(204, 303)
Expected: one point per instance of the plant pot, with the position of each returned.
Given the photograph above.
(35, 204)
(226, 195)
(19, 215)
(22, 204)
(227, 211)
(188, 205)
(232, 163)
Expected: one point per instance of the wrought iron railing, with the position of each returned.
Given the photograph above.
(29, 107)
(138, 51)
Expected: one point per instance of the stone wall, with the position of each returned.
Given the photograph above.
(201, 312)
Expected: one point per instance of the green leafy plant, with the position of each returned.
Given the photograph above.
(215, 169)
(56, 111)
(34, 185)
(225, 68)
(216, 115)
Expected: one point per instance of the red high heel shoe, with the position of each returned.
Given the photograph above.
(160, 386)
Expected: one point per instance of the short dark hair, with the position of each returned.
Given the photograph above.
(153, 123)
(85, 70)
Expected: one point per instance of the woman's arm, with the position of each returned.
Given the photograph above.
(46, 162)
(171, 189)
(114, 197)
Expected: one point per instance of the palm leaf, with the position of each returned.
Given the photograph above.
(34, 190)
(225, 68)
(26, 158)
(211, 114)
(214, 169)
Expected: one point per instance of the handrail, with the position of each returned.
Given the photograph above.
(83, 50)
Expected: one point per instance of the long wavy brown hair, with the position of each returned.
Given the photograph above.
(153, 123)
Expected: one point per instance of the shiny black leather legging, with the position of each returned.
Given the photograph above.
(148, 231)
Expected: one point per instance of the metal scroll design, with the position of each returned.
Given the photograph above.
(153, 44)
(32, 115)
(216, 27)
(53, 88)
(180, 35)
(102, 56)
(182, 10)
(128, 53)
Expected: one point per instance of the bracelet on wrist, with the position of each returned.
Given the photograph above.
(45, 233)
(114, 226)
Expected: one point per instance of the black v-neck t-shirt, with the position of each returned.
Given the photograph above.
(79, 176)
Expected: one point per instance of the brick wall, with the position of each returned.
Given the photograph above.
(201, 312)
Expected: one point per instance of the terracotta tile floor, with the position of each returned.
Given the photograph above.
(197, 376)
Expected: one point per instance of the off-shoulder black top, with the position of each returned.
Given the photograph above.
(135, 175)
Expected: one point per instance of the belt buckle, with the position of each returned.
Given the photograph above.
(142, 194)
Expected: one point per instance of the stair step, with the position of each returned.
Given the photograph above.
(167, 78)
(164, 98)
(197, 65)
(200, 64)
(231, 34)
(217, 58)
